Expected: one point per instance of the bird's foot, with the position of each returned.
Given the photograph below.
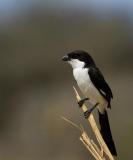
(89, 111)
(82, 101)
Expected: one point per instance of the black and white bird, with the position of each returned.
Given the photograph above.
(95, 89)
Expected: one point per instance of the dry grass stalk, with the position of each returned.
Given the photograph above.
(103, 152)
(89, 144)
(92, 147)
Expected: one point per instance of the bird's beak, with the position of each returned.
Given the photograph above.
(65, 58)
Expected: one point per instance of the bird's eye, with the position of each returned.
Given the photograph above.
(75, 56)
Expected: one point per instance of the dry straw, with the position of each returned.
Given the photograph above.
(99, 151)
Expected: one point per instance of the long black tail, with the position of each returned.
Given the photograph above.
(106, 132)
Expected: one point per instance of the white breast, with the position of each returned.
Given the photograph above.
(85, 84)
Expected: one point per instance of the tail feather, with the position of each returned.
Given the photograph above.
(106, 132)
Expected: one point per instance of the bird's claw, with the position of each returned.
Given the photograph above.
(87, 114)
(89, 111)
(82, 101)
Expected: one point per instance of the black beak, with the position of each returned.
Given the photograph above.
(66, 58)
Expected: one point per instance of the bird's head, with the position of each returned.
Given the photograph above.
(78, 59)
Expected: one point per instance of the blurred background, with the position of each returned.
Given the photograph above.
(36, 86)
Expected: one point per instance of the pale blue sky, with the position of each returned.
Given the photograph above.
(9, 7)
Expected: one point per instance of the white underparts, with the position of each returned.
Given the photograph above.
(88, 89)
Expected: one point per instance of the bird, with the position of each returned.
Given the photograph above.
(95, 89)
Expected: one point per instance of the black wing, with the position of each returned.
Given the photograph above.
(100, 83)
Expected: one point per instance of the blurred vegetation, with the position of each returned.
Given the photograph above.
(36, 87)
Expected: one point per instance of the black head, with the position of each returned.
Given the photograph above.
(81, 56)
